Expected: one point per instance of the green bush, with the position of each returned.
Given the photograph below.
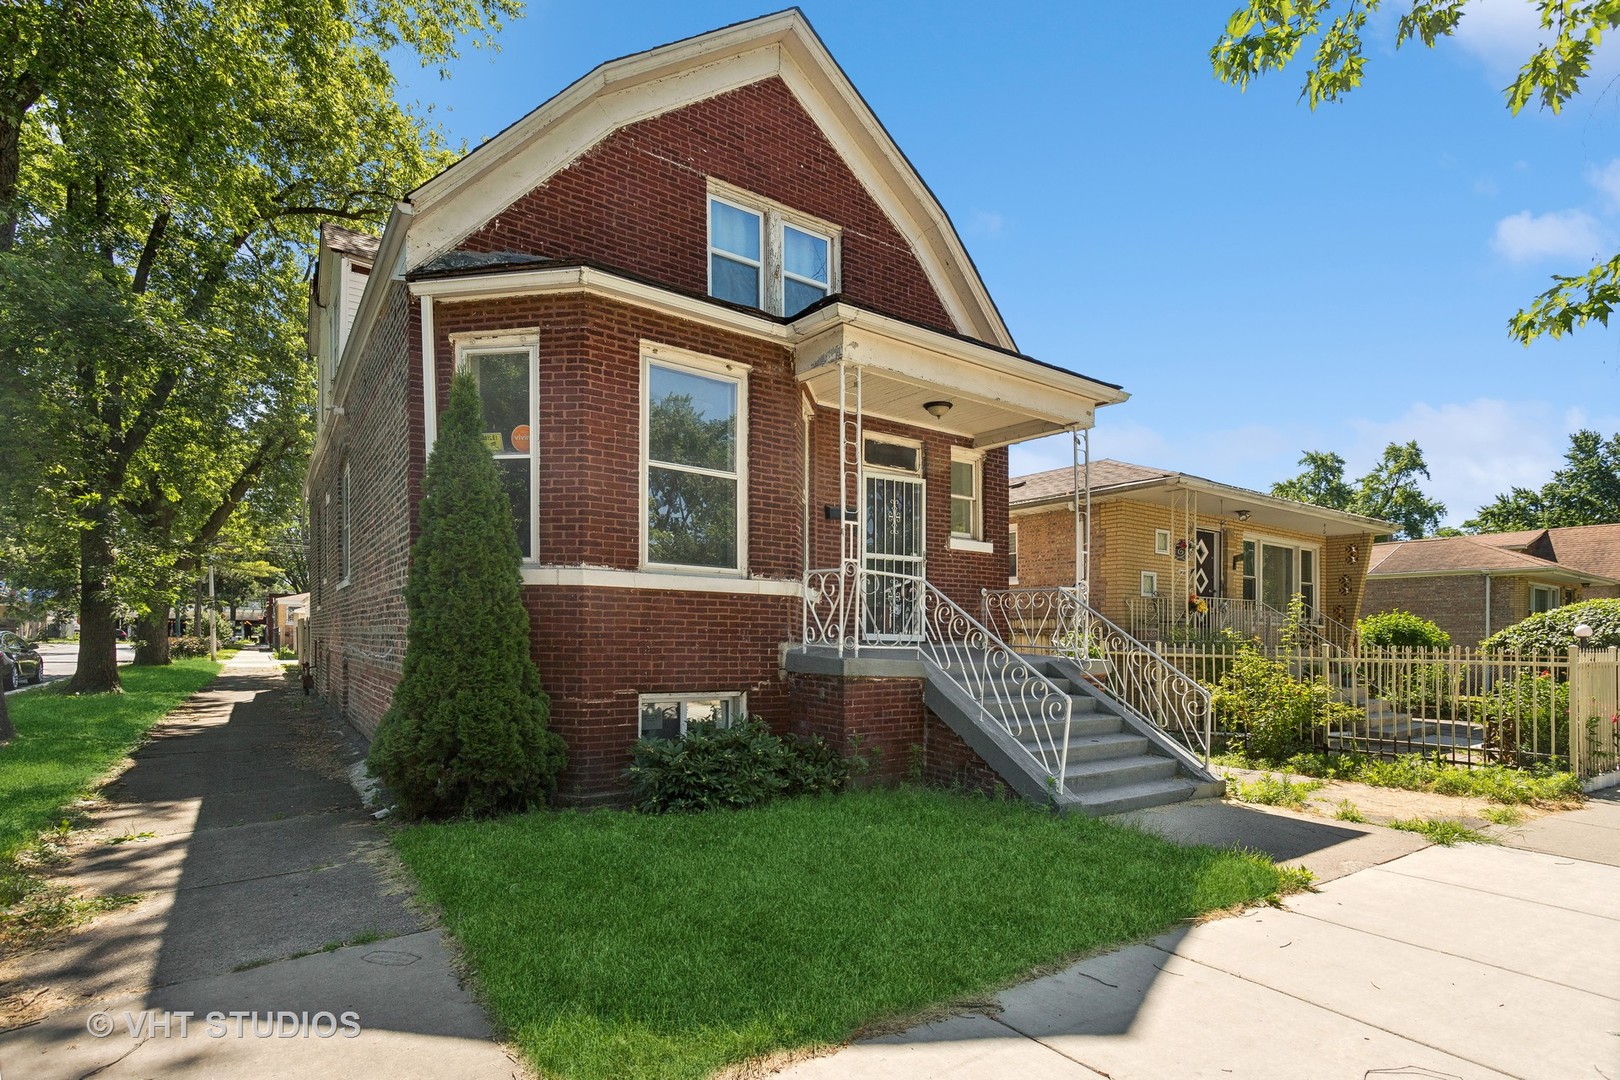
(715, 768)
(286, 652)
(1276, 713)
(1402, 630)
(466, 733)
(1554, 631)
(188, 648)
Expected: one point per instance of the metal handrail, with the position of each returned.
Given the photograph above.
(1008, 689)
(1057, 622)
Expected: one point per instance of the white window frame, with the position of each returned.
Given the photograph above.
(1149, 583)
(1012, 552)
(345, 529)
(773, 218)
(739, 709)
(1557, 597)
(1161, 541)
(960, 456)
(891, 440)
(760, 265)
(470, 346)
(711, 367)
(1262, 541)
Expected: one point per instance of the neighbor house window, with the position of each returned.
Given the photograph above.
(1543, 598)
(693, 468)
(1150, 583)
(506, 378)
(1012, 554)
(767, 256)
(343, 528)
(966, 509)
(667, 717)
(1161, 541)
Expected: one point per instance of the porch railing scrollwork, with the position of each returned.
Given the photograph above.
(854, 608)
(1058, 622)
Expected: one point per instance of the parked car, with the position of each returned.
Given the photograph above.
(27, 664)
(8, 674)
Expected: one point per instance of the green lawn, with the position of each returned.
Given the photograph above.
(64, 743)
(619, 945)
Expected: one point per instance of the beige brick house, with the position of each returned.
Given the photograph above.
(1161, 541)
(1473, 586)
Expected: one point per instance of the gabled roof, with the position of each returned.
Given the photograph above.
(482, 184)
(1440, 555)
(1594, 548)
(1113, 479)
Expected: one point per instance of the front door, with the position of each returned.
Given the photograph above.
(1206, 571)
(894, 559)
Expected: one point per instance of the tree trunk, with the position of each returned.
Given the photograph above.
(196, 612)
(98, 627)
(152, 636)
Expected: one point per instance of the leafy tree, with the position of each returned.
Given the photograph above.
(1389, 491)
(162, 167)
(1584, 492)
(466, 733)
(1266, 35)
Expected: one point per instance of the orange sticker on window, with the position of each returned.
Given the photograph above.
(520, 438)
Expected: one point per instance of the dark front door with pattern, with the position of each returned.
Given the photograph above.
(1206, 571)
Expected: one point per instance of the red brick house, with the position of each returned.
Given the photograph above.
(725, 336)
(1473, 586)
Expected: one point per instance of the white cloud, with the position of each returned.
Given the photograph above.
(1501, 34)
(1526, 237)
(1475, 450)
(1607, 180)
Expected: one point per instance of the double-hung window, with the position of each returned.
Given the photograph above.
(506, 376)
(966, 504)
(768, 257)
(1543, 598)
(693, 440)
(345, 518)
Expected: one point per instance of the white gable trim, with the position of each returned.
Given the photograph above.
(486, 182)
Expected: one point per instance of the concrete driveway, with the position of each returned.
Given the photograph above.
(1466, 962)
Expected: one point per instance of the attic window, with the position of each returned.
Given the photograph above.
(766, 256)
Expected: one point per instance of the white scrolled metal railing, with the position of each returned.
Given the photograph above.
(854, 607)
(1057, 622)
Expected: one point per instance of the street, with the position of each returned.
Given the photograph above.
(62, 660)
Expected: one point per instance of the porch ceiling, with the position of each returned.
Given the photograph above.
(1214, 506)
(996, 398)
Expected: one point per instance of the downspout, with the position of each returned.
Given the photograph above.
(1487, 578)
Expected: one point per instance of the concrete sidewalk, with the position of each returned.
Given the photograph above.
(1466, 962)
(266, 889)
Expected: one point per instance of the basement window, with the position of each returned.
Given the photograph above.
(667, 716)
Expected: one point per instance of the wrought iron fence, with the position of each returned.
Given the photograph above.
(1056, 622)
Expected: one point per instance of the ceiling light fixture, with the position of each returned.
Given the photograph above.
(937, 409)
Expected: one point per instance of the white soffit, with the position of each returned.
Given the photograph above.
(482, 185)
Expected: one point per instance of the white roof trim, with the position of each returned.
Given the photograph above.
(481, 185)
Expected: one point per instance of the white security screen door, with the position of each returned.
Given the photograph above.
(894, 559)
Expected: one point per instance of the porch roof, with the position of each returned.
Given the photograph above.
(994, 396)
(1455, 555)
(1112, 479)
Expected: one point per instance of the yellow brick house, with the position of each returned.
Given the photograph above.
(1169, 552)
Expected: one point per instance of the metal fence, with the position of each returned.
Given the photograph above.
(1594, 711)
(1459, 705)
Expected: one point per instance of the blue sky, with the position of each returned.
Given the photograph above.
(1263, 279)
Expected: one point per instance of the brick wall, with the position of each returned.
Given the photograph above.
(1455, 603)
(358, 629)
(638, 200)
(880, 719)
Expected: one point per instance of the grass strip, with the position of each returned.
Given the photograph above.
(610, 944)
(1538, 785)
(65, 742)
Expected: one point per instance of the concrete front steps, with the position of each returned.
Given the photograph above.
(1116, 762)
(1388, 730)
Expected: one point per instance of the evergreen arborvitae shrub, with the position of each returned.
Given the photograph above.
(467, 732)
